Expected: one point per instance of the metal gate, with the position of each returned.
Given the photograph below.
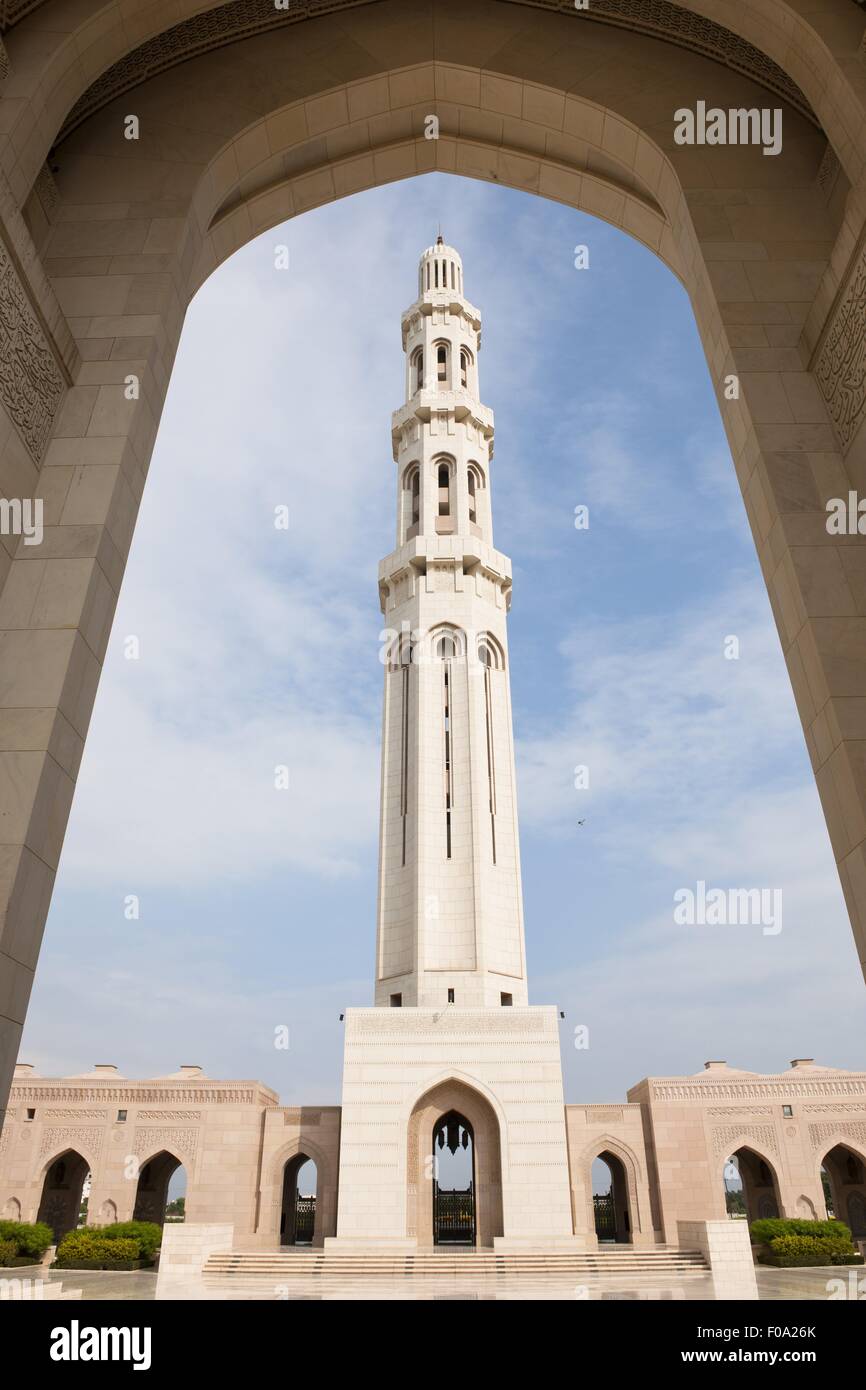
(305, 1220)
(605, 1216)
(454, 1216)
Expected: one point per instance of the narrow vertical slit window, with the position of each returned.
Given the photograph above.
(473, 509)
(442, 363)
(404, 754)
(448, 770)
(484, 655)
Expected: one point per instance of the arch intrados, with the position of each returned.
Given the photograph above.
(841, 1141)
(475, 1090)
(65, 1153)
(298, 1148)
(748, 1146)
(157, 1153)
(606, 1143)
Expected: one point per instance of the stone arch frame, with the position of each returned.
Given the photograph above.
(270, 1205)
(429, 643)
(456, 1090)
(840, 1199)
(11, 1209)
(636, 1185)
(818, 612)
(756, 1150)
(487, 640)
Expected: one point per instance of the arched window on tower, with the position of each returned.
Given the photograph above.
(417, 373)
(444, 485)
(411, 510)
(464, 367)
(442, 363)
(475, 485)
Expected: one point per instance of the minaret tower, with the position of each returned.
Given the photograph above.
(450, 915)
(459, 1045)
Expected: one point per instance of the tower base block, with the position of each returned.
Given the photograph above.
(497, 1070)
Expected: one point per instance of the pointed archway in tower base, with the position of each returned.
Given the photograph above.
(395, 1059)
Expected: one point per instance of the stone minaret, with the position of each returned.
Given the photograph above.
(450, 915)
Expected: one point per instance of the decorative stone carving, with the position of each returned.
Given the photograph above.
(170, 1116)
(31, 383)
(56, 1140)
(740, 1110)
(149, 1140)
(241, 19)
(820, 1133)
(728, 1136)
(47, 190)
(75, 1115)
(769, 1089)
(840, 366)
(828, 169)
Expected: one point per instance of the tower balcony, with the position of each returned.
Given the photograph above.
(426, 403)
(469, 555)
(441, 300)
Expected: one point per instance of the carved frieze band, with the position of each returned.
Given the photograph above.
(170, 1116)
(778, 1091)
(31, 382)
(840, 367)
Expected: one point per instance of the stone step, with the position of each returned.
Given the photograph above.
(472, 1264)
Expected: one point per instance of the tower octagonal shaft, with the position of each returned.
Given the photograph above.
(450, 913)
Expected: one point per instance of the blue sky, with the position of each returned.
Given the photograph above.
(259, 647)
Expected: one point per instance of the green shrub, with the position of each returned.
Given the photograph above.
(147, 1233)
(766, 1230)
(791, 1250)
(90, 1250)
(30, 1237)
(8, 1251)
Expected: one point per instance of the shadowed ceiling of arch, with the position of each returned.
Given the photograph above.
(239, 19)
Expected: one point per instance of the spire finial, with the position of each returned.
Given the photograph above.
(439, 241)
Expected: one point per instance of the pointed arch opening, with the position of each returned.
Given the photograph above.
(61, 1205)
(161, 1186)
(843, 1180)
(298, 1207)
(454, 1168)
(751, 1186)
(610, 1200)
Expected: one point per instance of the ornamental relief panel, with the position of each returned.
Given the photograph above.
(147, 1141)
(31, 383)
(840, 367)
(819, 1134)
(724, 1136)
(71, 1137)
